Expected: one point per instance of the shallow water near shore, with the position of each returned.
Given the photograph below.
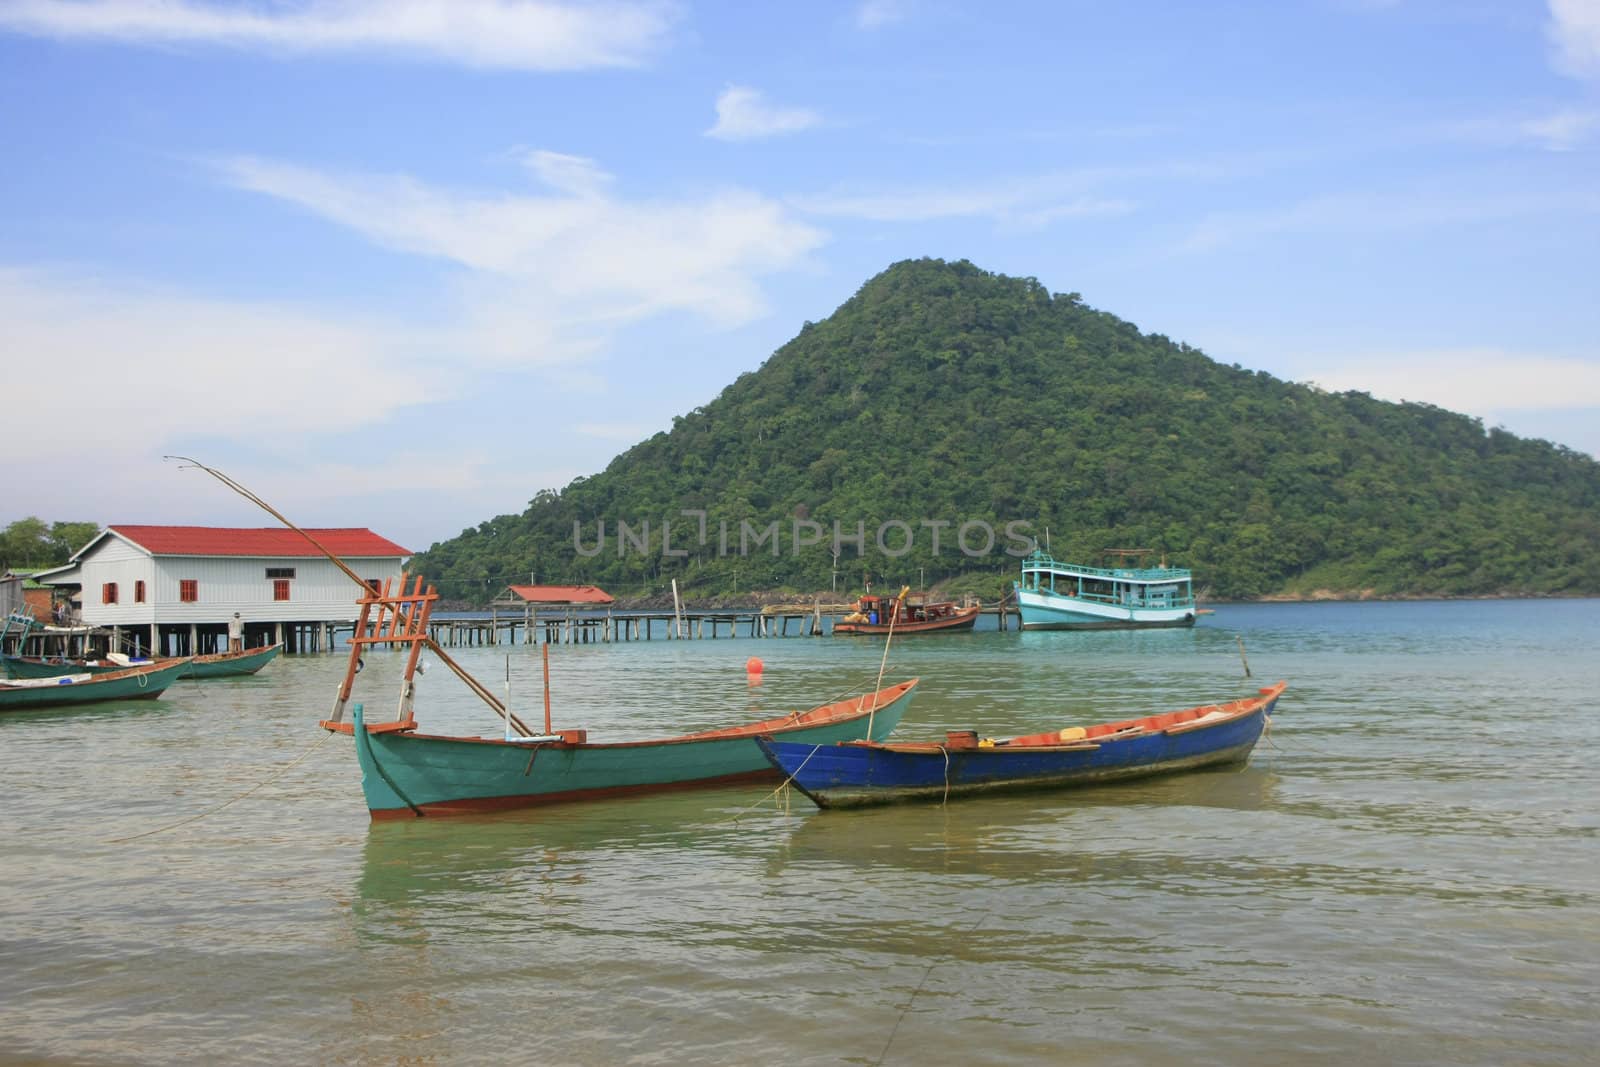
(1408, 871)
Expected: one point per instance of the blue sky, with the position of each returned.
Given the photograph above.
(404, 263)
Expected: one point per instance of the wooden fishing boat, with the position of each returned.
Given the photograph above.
(859, 773)
(1068, 596)
(56, 666)
(232, 664)
(131, 683)
(406, 773)
(905, 614)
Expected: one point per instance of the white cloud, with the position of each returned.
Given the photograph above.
(568, 174)
(1557, 131)
(1383, 212)
(875, 14)
(1024, 204)
(1479, 381)
(137, 362)
(744, 114)
(519, 34)
(622, 432)
(565, 266)
(1575, 32)
(1563, 130)
(126, 373)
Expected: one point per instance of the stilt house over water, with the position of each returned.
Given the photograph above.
(171, 590)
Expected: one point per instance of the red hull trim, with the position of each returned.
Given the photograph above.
(490, 805)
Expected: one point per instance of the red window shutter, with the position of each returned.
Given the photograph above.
(188, 590)
(108, 593)
(280, 589)
(138, 591)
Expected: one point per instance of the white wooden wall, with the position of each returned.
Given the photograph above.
(319, 591)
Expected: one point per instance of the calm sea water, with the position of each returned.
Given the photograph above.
(1407, 872)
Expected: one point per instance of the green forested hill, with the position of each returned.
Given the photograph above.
(942, 393)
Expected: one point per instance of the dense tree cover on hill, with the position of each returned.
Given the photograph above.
(32, 542)
(941, 393)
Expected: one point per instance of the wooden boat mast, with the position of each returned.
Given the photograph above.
(401, 617)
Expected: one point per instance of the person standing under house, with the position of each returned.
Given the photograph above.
(236, 633)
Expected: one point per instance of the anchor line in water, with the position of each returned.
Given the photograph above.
(781, 785)
(912, 999)
(196, 818)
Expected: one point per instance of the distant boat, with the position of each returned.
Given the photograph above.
(232, 664)
(405, 773)
(131, 683)
(218, 665)
(905, 614)
(56, 666)
(1068, 596)
(859, 773)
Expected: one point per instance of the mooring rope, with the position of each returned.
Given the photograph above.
(781, 786)
(912, 999)
(196, 818)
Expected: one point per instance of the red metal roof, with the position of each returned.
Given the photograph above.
(562, 594)
(270, 541)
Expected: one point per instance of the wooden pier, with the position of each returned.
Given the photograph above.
(588, 628)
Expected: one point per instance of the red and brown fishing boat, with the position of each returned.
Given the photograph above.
(906, 614)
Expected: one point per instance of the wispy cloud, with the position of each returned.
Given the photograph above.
(531, 35)
(743, 114)
(1388, 211)
(1561, 130)
(549, 275)
(1479, 381)
(621, 432)
(1005, 202)
(1575, 33)
(876, 14)
(143, 370)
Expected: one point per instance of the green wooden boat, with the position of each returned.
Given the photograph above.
(232, 664)
(132, 683)
(56, 666)
(405, 774)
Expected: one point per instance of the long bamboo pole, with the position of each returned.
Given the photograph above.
(472, 683)
(893, 616)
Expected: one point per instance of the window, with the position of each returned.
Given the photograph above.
(280, 572)
(375, 584)
(138, 591)
(189, 590)
(108, 593)
(280, 589)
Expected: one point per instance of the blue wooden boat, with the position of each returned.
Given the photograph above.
(859, 773)
(1068, 596)
(134, 683)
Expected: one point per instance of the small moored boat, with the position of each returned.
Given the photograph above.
(231, 664)
(406, 773)
(132, 683)
(905, 614)
(858, 773)
(56, 666)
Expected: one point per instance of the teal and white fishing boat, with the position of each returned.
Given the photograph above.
(1068, 596)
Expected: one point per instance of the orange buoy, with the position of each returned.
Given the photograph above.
(753, 665)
